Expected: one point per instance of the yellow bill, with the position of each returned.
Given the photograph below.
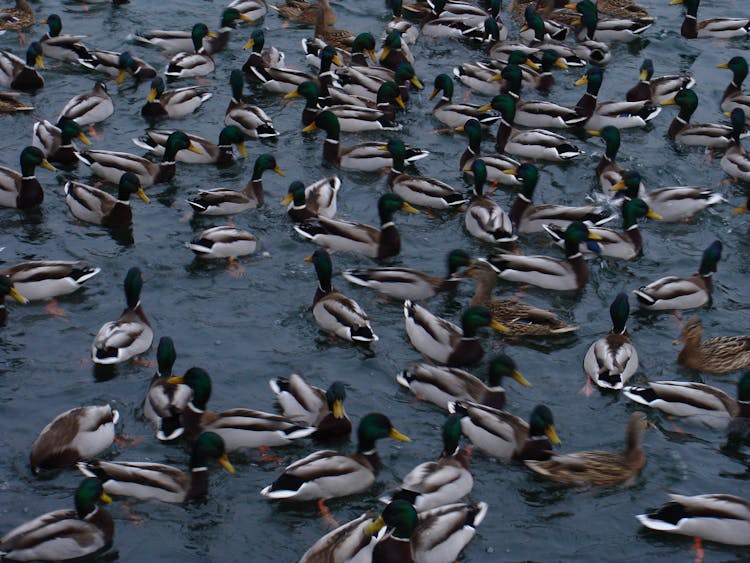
(384, 53)
(485, 107)
(288, 198)
(643, 75)
(224, 462)
(375, 526)
(249, 44)
(15, 294)
(740, 210)
(531, 64)
(141, 194)
(83, 138)
(723, 65)
(560, 63)
(498, 326)
(400, 102)
(518, 376)
(583, 80)
(151, 95)
(414, 80)
(212, 35)
(396, 435)
(243, 150)
(594, 236)
(552, 435)
(309, 258)
(278, 170)
(176, 380)
(435, 92)
(653, 215)
(510, 171)
(193, 148)
(121, 76)
(594, 133)
(338, 408)
(618, 186)
(245, 18)
(292, 94)
(45, 164)
(371, 54)
(105, 498)
(669, 102)
(311, 127)
(675, 2)
(337, 60)
(409, 209)
(38, 61)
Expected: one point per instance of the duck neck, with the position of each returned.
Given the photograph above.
(587, 104)
(191, 420)
(503, 134)
(575, 257)
(689, 28)
(102, 519)
(483, 292)
(225, 155)
(519, 207)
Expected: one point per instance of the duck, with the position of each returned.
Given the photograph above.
(599, 468)
(18, 17)
(251, 120)
(505, 436)
(253, 10)
(283, 80)
(720, 518)
(344, 543)
(443, 342)
(558, 19)
(22, 190)
(20, 74)
(550, 273)
(9, 103)
(335, 313)
(64, 534)
(607, 170)
(46, 279)
(497, 165)
(225, 241)
(623, 9)
(131, 334)
(261, 59)
(441, 385)
(362, 48)
(673, 292)
(722, 28)
(409, 32)
(155, 141)
(733, 96)
(697, 401)
(90, 108)
(8, 289)
(165, 402)
(736, 161)
(327, 474)
(482, 77)
(305, 403)
(407, 283)
(155, 481)
(441, 24)
(521, 318)
(363, 83)
(174, 103)
(98, 207)
(319, 198)
(118, 65)
(192, 63)
(395, 52)
(298, 11)
(593, 28)
(56, 141)
(657, 89)
(484, 219)
(713, 135)
(76, 434)
(721, 354)
(111, 165)
(341, 38)
(454, 115)
(358, 237)
(62, 47)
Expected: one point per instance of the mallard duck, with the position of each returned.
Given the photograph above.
(22, 190)
(19, 74)
(550, 273)
(225, 241)
(251, 120)
(608, 171)
(441, 24)
(299, 11)
(195, 62)
(179, 102)
(733, 96)
(529, 218)
(61, 47)
(395, 52)
(101, 208)
(599, 468)
(348, 542)
(442, 385)
(335, 313)
(674, 292)
(520, 318)
(484, 219)
(323, 30)
(76, 434)
(362, 48)
(8, 289)
(155, 141)
(558, 19)
(714, 135)
(505, 436)
(722, 28)
(283, 80)
(87, 109)
(64, 534)
(259, 57)
(454, 115)
(497, 165)
(118, 65)
(253, 10)
(409, 32)
(329, 474)
(9, 103)
(363, 83)
(591, 27)
(56, 141)
(155, 481)
(720, 354)
(165, 402)
(698, 401)
(482, 76)
(19, 17)
(623, 9)
(620, 114)
(112, 165)
(311, 405)
(319, 199)
(131, 334)
(657, 89)
(443, 342)
(736, 161)
(46, 279)
(719, 518)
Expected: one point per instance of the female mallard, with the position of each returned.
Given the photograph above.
(299, 11)
(657, 89)
(497, 165)
(455, 115)
(64, 534)
(101, 208)
(155, 141)
(721, 354)
(329, 474)
(406, 283)
(520, 318)
(736, 161)
(251, 120)
(318, 198)
(599, 468)
(8, 289)
(17, 18)
(165, 402)
(334, 312)
(722, 28)
(45, 279)
(62, 47)
(714, 517)
(87, 109)
(714, 135)
(76, 434)
(505, 436)
(9, 103)
(155, 481)
(550, 273)
(21, 189)
(340, 38)
(179, 102)
(225, 241)
(435, 483)
(195, 62)
(673, 292)
(442, 385)
(56, 142)
(18, 74)
(442, 341)
(112, 165)
(733, 96)
(131, 334)
(118, 65)
(484, 219)
(304, 403)
(591, 27)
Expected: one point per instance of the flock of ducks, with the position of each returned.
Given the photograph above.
(352, 89)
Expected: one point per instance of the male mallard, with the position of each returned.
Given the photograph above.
(101, 208)
(155, 481)
(722, 28)
(8, 289)
(733, 96)
(591, 27)
(443, 342)
(196, 62)
(63, 47)
(334, 312)
(395, 52)
(253, 10)
(56, 141)
(111, 165)
(348, 542)
(546, 272)
(225, 241)
(409, 32)
(714, 135)
(22, 190)
(155, 141)
(673, 292)
(720, 354)
(363, 47)
(87, 109)
(165, 402)
(17, 18)
(64, 534)
(329, 474)
(484, 219)
(45, 279)
(505, 436)
(497, 165)
(260, 57)
(179, 102)
(599, 468)
(118, 65)
(20, 74)
(483, 77)
(736, 161)
(720, 518)
(251, 120)
(318, 199)
(131, 334)
(363, 83)
(76, 434)
(442, 385)
(455, 115)
(608, 171)
(660, 88)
